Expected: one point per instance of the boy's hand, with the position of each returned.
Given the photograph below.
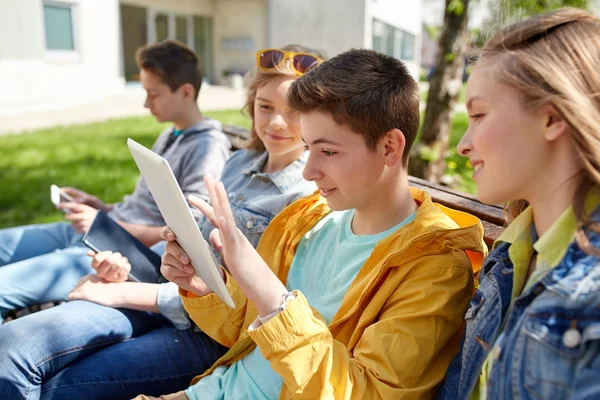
(251, 273)
(82, 197)
(112, 267)
(177, 268)
(209, 212)
(81, 216)
(93, 288)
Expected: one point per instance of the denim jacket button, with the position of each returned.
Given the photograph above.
(249, 224)
(571, 338)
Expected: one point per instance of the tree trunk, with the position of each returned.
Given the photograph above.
(428, 157)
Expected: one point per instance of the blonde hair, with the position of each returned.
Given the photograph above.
(258, 79)
(554, 58)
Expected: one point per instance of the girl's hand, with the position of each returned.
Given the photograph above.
(79, 196)
(80, 217)
(112, 267)
(95, 289)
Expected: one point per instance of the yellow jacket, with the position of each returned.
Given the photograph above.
(397, 328)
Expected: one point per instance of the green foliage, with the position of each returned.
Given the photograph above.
(530, 7)
(508, 11)
(457, 165)
(433, 32)
(456, 7)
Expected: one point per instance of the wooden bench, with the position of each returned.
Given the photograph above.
(492, 217)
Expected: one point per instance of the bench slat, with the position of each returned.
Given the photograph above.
(491, 216)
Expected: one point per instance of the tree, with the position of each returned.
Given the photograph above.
(504, 12)
(428, 156)
(427, 159)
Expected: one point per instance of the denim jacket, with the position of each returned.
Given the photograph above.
(550, 348)
(256, 197)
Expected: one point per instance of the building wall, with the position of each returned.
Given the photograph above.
(406, 15)
(240, 30)
(338, 25)
(332, 25)
(200, 7)
(33, 78)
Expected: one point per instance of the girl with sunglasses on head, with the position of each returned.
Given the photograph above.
(117, 339)
(533, 325)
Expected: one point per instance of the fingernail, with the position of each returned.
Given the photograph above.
(185, 259)
(189, 269)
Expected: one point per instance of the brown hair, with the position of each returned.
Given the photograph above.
(553, 58)
(258, 78)
(370, 92)
(173, 62)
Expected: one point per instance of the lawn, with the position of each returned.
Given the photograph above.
(94, 158)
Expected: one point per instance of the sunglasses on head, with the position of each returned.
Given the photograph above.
(301, 63)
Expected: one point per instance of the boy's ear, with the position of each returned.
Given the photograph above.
(555, 125)
(188, 90)
(392, 146)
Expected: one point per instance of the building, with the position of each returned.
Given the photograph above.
(55, 53)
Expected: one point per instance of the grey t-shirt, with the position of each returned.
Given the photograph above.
(200, 149)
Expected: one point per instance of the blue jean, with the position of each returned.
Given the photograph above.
(84, 350)
(39, 264)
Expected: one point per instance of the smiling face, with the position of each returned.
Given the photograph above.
(346, 171)
(276, 126)
(504, 142)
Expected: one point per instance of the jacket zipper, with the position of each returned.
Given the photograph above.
(375, 280)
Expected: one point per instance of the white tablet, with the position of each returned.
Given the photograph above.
(174, 208)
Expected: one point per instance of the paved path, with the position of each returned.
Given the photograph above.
(129, 103)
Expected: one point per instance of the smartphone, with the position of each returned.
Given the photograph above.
(59, 196)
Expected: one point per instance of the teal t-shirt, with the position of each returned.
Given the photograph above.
(327, 260)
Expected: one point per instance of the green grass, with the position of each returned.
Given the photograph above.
(91, 157)
(457, 165)
(94, 158)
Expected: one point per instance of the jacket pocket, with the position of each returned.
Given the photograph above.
(252, 221)
(558, 344)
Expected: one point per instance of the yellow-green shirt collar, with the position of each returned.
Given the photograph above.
(553, 244)
(551, 249)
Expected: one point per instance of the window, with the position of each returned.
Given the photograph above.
(378, 36)
(192, 30)
(58, 24)
(393, 41)
(181, 29)
(161, 23)
(408, 46)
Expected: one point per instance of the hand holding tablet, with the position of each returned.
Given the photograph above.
(173, 206)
